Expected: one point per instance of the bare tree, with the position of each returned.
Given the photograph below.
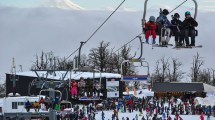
(2, 90)
(174, 73)
(196, 67)
(204, 76)
(156, 77)
(98, 57)
(213, 77)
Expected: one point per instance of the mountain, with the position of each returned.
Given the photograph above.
(26, 32)
(62, 4)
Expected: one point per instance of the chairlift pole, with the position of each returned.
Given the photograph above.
(79, 54)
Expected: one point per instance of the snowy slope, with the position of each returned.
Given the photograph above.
(25, 32)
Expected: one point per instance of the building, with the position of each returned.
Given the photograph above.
(28, 83)
(196, 89)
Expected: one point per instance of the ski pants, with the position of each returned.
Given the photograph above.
(150, 32)
(165, 32)
(178, 36)
(190, 32)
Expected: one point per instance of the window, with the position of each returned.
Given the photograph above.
(0, 109)
(14, 105)
(20, 103)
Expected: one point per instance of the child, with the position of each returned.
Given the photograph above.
(150, 28)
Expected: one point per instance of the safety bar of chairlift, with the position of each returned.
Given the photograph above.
(49, 90)
(145, 8)
(140, 60)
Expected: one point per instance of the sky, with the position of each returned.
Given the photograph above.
(103, 4)
(25, 33)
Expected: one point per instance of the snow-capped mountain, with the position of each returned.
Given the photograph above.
(62, 4)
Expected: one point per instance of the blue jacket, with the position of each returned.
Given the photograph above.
(162, 19)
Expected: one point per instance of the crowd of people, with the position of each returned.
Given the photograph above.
(149, 108)
(182, 30)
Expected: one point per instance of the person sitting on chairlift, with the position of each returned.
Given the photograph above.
(177, 29)
(189, 25)
(164, 27)
(150, 29)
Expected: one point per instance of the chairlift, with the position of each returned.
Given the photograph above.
(49, 92)
(141, 77)
(145, 11)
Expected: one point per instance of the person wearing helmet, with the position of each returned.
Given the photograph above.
(177, 29)
(150, 29)
(189, 25)
(164, 27)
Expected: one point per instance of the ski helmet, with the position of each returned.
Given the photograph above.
(187, 13)
(152, 19)
(176, 15)
(165, 12)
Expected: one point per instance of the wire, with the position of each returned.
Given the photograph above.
(97, 29)
(128, 42)
(178, 6)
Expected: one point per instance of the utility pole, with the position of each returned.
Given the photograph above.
(13, 76)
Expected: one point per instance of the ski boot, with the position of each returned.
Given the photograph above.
(147, 41)
(153, 41)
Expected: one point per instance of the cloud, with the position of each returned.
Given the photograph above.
(25, 32)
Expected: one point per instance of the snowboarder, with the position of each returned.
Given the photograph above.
(163, 27)
(189, 25)
(150, 29)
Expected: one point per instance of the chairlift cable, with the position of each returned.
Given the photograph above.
(128, 42)
(97, 28)
(178, 6)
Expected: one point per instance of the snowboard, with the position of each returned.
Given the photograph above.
(189, 47)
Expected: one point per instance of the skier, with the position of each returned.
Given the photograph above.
(202, 116)
(103, 115)
(163, 27)
(177, 29)
(82, 85)
(150, 29)
(28, 106)
(136, 117)
(189, 25)
(73, 89)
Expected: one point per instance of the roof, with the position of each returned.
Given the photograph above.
(73, 75)
(178, 87)
(208, 88)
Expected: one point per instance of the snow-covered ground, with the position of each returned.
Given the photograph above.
(108, 115)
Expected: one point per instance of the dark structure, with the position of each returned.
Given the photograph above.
(25, 88)
(166, 89)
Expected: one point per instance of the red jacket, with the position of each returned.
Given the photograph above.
(151, 26)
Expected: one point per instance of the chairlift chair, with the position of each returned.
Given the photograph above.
(145, 10)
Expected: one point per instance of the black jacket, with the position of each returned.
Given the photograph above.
(189, 23)
(175, 22)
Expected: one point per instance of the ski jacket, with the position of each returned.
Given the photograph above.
(176, 23)
(151, 25)
(189, 23)
(162, 20)
(74, 85)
